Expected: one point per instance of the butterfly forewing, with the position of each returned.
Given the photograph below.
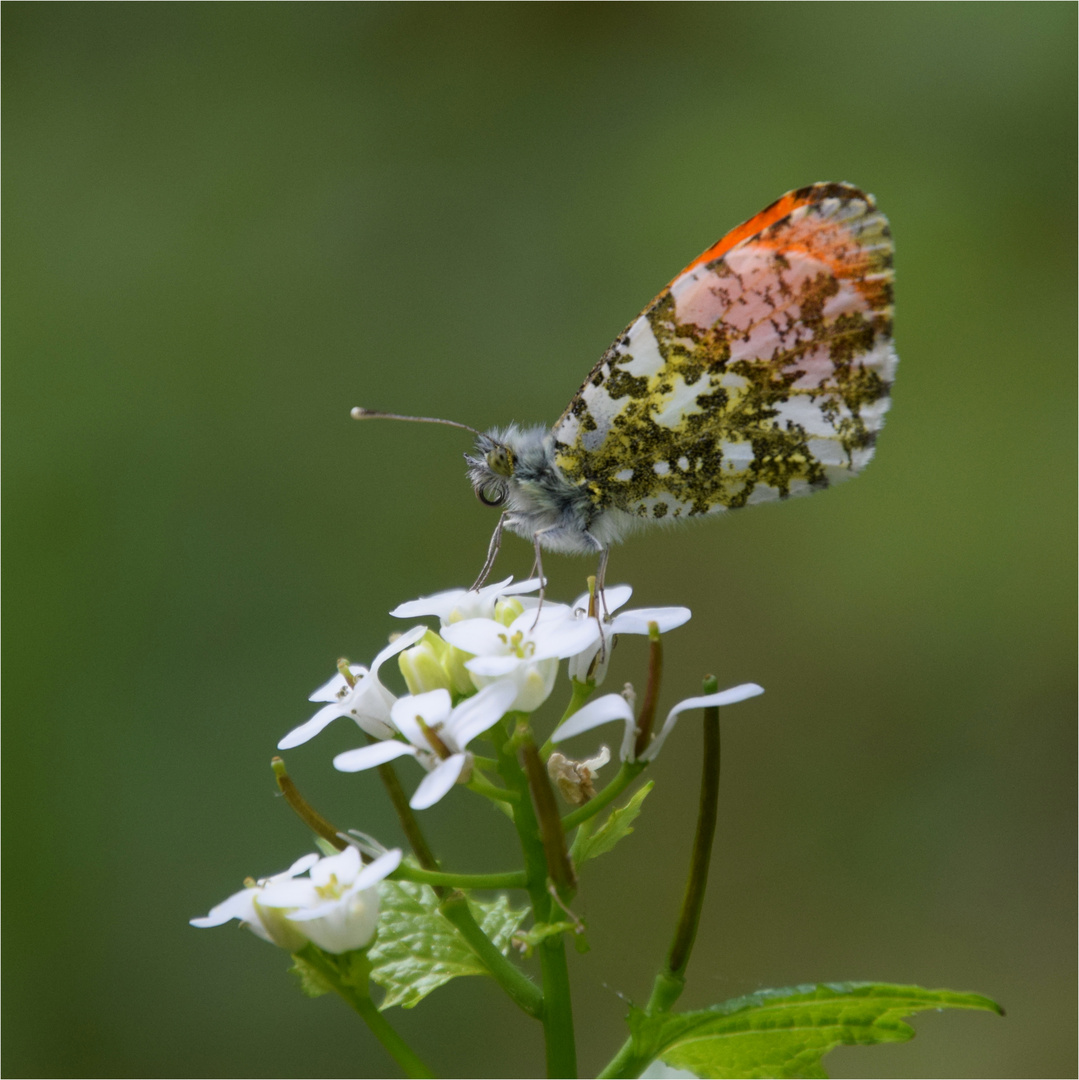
(762, 371)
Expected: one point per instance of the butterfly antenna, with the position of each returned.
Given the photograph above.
(360, 413)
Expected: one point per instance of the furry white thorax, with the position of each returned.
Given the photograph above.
(538, 501)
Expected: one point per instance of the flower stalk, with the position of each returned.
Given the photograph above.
(670, 982)
(304, 810)
(399, 800)
(670, 979)
(454, 907)
(354, 991)
(521, 990)
(560, 1045)
(559, 868)
(646, 717)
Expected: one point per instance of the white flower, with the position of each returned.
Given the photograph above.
(367, 701)
(437, 737)
(456, 605)
(525, 653)
(589, 664)
(615, 707)
(346, 913)
(336, 907)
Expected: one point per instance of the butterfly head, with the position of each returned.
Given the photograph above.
(491, 468)
(514, 469)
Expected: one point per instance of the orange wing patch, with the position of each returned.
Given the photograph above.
(825, 248)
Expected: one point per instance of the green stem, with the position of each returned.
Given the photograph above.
(559, 868)
(625, 1063)
(416, 840)
(671, 980)
(522, 991)
(697, 880)
(510, 879)
(462, 918)
(647, 714)
(360, 1000)
(491, 791)
(557, 1008)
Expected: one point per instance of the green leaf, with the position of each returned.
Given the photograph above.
(418, 949)
(617, 826)
(312, 984)
(785, 1033)
(351, 969)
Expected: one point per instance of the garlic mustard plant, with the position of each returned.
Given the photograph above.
(471, 713)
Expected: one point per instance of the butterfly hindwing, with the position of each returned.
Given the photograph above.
(762, 371)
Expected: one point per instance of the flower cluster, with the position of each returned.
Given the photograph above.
(497, 650)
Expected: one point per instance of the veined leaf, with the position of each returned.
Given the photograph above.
(617, 826)
(784, 1033)
(418, 949)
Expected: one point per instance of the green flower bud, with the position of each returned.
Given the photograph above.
(424, 665)
(507, 609)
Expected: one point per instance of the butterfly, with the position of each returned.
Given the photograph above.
(762, 371)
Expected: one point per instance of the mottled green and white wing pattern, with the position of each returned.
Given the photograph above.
(762, 371)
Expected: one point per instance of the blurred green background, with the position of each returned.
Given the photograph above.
(228, 223)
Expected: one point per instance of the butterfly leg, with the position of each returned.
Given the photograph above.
(601, 578)
(537, 568)
(492, 554)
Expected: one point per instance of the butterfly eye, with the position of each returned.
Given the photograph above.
(500, 461)
(491, 494)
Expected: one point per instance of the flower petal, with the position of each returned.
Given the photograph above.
(493, 666)
(367, 757)
(288, 894)
(435, 784)
(299, 735)
(567, 637)
(440, 604)
(477, 636)
(433, 706)
(409, 637)
(528, 585)
(637, 620)
(237, 906)
(344, 866)
(456, 605)
(300, 866)
(600, 711)
(722, 697)
(381, 868)
(597, 761)
(614, 597)
(476, 714)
